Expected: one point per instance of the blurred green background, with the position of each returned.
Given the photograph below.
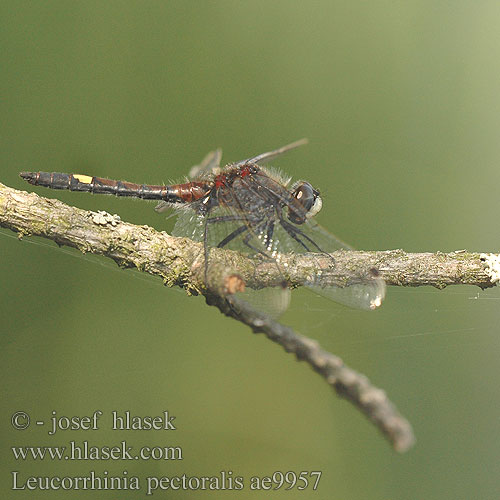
(401, 103)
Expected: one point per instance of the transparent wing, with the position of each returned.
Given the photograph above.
(365, 290)
(264, 157)
(209, 165)
(229, 229)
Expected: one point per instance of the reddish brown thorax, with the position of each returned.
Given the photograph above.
(220, 180)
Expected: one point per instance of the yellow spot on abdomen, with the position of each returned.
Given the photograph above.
(85, 179)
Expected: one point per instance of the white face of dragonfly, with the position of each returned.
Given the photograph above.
(309, 201)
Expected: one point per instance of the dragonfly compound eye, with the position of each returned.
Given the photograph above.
(307, 202)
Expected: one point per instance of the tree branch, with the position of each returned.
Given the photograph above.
(177, 262)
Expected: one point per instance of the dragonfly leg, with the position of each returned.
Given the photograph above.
(294, 232)
(233, 235)
(213, 220)
(294, 235)
(246, 240)
(258, 229)
(269, 234)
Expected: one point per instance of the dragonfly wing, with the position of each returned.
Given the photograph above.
(208, 166)
(367, 295)
(272, 301)
(264, 157)
(228, 229)
(366, 290)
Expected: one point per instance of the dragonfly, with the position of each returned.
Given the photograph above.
(247, 207)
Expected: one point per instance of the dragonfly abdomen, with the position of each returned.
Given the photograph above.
(179, 193)
(97, 185)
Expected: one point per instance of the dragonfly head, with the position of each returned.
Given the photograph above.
(307, 202)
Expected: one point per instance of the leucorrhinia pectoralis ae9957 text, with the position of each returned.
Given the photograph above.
(243, 207)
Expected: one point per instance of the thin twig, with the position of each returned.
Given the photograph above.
(354, 386)
(176, 261)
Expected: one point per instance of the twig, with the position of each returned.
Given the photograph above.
(372, 401)
(176, 261)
